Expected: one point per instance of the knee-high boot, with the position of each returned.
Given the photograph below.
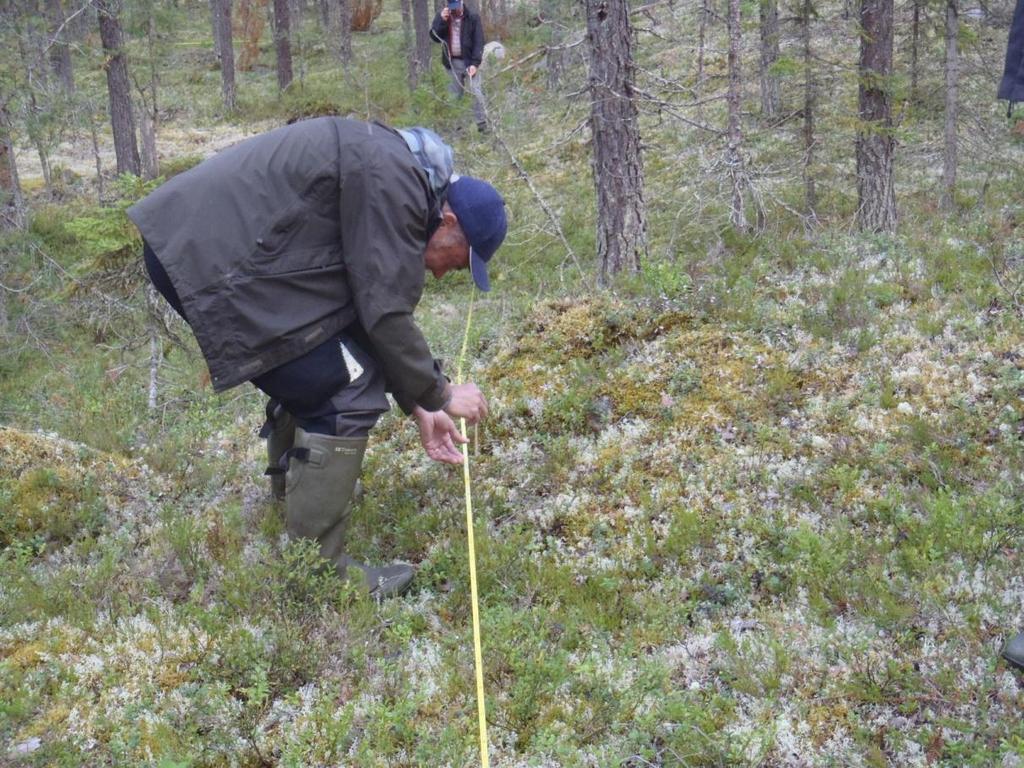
(279, 431)
(322, 475)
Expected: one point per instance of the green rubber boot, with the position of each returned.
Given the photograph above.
(321, 480)
(1013, 651)
(280, 433)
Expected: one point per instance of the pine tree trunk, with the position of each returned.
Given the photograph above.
(283, 43)
(60, 51)
(876, 211)
(614, 125)
(227, 54)
(810, 105)
(147, 129)
(949, 164)
(733, 154)
(421, 18)
(149, 113)
(12, 203)
(769, 55)
(556, 38)
(341, 29)
(215, 27)
(408, 36)
(915, 41)
(118, 87)
(702, 33)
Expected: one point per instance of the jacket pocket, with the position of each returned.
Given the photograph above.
(283, 230)
(280, 233)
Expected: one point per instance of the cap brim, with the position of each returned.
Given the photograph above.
(478, 268)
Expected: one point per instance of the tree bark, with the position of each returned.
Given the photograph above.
(60, 51)
(149, 114)
(915, 41)
(118, 87)
(702, 33)
(733, 153)
(556, 38)
(12, 203)
(614, 125)
(283, 43)
(949, 164)
(770, 53)
(421, 18)
(408, 36)
(215, 27)
(341, 29)
(876, 210)
(227, 54)
(810, 105)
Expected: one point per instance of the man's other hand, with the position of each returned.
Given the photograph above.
(467, 402)
(439, 436)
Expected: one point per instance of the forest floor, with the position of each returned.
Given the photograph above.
(757, 505)
(174, 141)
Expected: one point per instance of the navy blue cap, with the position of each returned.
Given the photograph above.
(480, 210)
(454, 5)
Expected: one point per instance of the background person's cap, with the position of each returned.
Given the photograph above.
(480, 210)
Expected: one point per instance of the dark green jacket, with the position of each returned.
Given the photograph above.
(286, 238)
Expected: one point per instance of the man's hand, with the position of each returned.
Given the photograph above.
(467, 402)
(471, 71)
(438, 434)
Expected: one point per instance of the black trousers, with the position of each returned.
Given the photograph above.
(337, 388)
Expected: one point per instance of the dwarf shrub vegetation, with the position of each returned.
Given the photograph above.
(758, 504)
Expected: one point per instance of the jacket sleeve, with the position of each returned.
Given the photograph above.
(439, 29)
(383, 218)
(476, 48)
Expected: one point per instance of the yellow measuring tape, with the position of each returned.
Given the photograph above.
(481, 707)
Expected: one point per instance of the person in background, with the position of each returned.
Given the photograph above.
(461, 34)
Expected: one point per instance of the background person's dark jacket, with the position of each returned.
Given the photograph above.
(1011, 87)
(472, 37)
(284, 239)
